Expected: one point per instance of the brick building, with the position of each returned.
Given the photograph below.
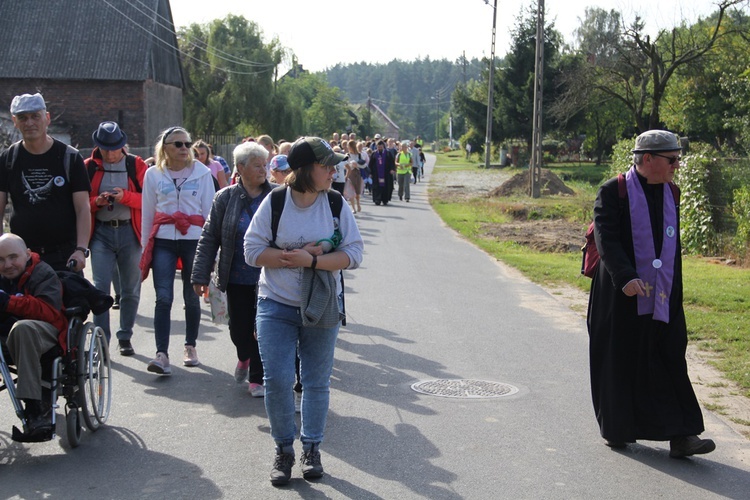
(93, 61)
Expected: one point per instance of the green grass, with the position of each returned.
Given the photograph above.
(716, 296)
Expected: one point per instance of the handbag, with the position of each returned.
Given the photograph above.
(218, 302)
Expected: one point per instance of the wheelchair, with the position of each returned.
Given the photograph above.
(81, 373)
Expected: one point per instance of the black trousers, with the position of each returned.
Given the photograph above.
(242, 304)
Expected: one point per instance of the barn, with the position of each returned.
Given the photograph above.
(93, 61)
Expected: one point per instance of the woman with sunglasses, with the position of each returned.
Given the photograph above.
(177, 196)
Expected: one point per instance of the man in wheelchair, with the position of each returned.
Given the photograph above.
(31, 323)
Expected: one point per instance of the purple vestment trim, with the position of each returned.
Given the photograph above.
(657, 274)
(381, 167)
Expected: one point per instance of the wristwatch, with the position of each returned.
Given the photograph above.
(85, 251)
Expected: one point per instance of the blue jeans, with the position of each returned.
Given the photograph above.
(280, 332)
(164, 265)
(117, 250)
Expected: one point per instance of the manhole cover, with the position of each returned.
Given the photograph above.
(464, 388)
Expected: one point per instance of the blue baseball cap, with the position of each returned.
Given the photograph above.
(279, 163)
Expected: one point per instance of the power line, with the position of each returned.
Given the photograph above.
(189, 56)
(209, 50)
(432, 103)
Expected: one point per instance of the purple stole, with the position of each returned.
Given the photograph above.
(380, 160)
(656, 273)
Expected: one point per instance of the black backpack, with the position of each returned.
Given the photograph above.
(68, 158)
(335, 200)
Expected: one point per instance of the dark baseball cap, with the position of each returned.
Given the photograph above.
(309, 150)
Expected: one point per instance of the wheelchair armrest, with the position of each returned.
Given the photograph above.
(76, 311)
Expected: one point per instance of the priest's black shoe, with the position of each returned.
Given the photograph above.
(616, 445)
(690, 445)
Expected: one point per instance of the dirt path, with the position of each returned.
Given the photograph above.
(715, 393)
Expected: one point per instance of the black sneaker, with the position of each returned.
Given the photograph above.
(310, 463)
(282, 468)
(116, 304)
(126, 348)
(38, 417)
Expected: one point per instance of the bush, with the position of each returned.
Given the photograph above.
(697, 228)
(622, 158)
(741, 212)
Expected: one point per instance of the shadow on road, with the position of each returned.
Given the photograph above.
(114, 449)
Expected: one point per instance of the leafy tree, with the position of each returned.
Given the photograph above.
(228, 76)
(738, 90)
(702, 99)
(637, 69)
(581, 106)
(514, 83)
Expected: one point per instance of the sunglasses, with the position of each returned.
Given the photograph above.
(179, 144)
(671, 159)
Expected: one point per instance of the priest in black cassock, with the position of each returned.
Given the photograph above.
(636, 322)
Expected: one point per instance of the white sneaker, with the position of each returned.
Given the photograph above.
(256, 390)
(160, 364)
(191, 356)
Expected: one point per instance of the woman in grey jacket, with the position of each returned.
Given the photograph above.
(233, 209)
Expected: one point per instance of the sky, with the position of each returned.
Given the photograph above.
(323, 33)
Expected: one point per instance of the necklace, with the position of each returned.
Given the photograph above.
(179, 177)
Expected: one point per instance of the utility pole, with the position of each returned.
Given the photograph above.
(535, 166)
(490, 89)
(369, 113)
(437, 119)
(463, 60)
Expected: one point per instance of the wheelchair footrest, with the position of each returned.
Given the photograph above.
(34, 437)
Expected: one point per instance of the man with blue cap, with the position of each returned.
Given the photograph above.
(48, 185)
(638, 336)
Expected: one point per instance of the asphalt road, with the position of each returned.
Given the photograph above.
(425, 305)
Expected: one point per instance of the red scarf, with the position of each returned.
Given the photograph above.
(181, 221)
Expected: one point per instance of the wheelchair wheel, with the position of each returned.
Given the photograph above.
(73, 425)
(94, 376)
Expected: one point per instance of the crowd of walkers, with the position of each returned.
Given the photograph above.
(273, 235)
(185, 209)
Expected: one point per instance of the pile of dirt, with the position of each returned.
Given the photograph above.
(551, 184)
(556, 236)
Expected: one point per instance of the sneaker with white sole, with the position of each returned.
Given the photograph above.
(256, 390)
(160, 364)
(191, 356)
(241, 371)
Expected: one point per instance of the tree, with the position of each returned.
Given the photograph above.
(704, 99)
(514, 81)
(514, 85)
(582, 108)
(638, 69)
(228, 76)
